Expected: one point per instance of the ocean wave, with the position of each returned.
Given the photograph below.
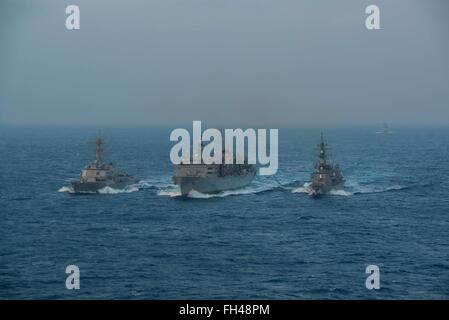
(378, 189)
(365, 188)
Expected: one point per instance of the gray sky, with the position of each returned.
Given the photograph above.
(262, 62)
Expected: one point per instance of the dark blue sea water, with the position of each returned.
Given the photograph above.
(264, 241)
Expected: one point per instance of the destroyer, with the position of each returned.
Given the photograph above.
(212, 178)
(385, 129)
(98, 174)
(326, 176)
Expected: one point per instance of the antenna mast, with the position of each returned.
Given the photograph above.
(98, 150)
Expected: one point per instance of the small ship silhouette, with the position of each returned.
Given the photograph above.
(98, 174)
(326, 176)
(385, 129)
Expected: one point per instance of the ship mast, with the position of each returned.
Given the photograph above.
(322, 147)
(98, 150)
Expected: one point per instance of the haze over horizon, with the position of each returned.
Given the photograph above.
(266, 62)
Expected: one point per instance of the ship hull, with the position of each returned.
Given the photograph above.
(213, 184)
(91, 187)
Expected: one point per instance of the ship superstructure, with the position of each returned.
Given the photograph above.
(326, 176)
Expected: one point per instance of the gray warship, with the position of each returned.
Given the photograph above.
(212, 178)
(385, 129)
(326, 176)
(98, 174)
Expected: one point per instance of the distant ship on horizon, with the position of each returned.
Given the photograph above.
(385, 129)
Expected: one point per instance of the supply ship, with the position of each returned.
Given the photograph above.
(213, 178)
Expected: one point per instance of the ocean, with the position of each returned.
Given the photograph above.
(266, 241)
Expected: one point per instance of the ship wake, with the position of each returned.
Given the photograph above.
(307, 189)
(353, 189)
(108, 190)
(253, 188)
(67, 189)
(163, 187)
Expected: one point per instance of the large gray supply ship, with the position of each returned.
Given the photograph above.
(326, 176)
(98, 174)
(212, 178)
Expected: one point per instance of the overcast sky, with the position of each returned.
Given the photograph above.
(266, 62)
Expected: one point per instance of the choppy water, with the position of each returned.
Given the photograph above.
(263, 241)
